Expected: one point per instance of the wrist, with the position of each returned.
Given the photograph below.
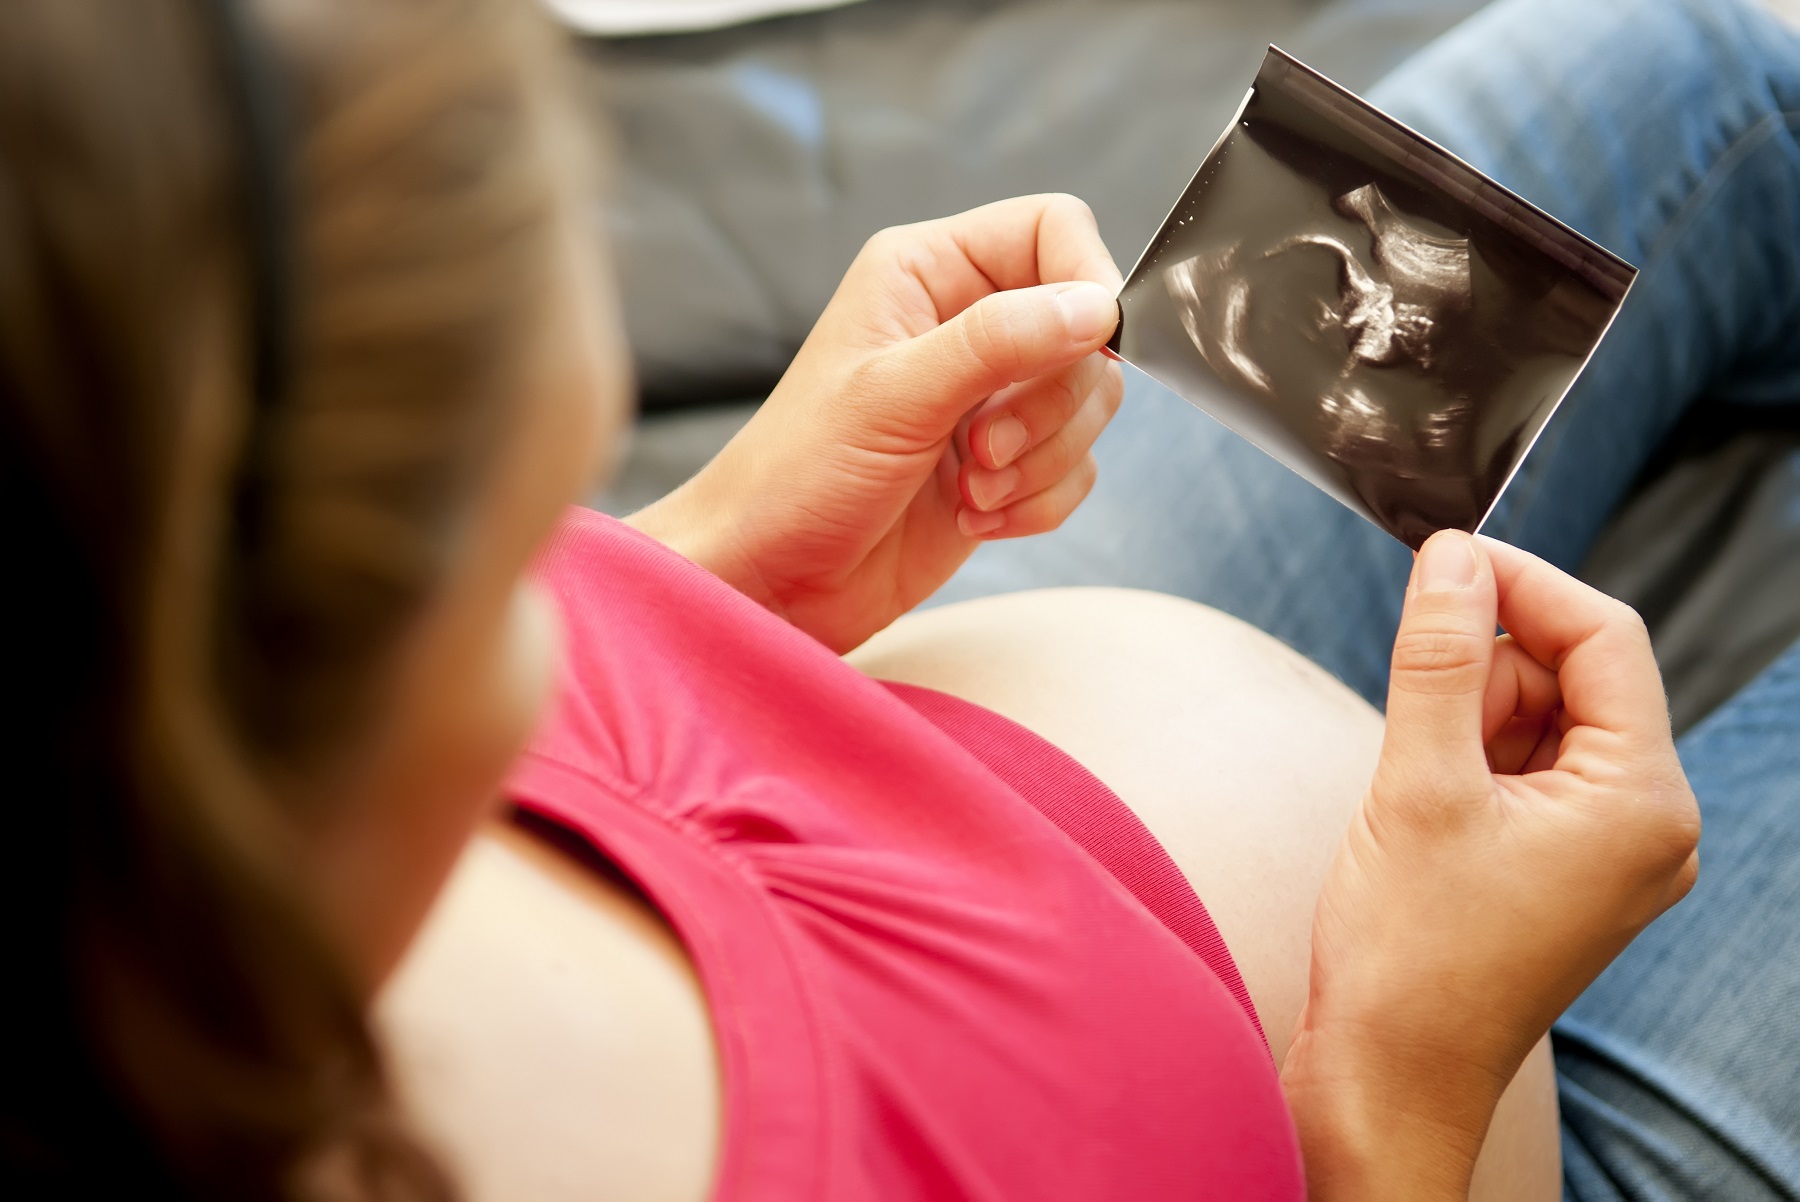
(702, 527)
(1377, 1122)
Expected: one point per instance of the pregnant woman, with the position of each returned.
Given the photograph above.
(384, 829)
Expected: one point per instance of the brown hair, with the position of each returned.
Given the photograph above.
(178, 1024)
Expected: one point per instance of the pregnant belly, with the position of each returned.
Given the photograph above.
(1244, 759)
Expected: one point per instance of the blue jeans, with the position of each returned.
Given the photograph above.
(1666, 130)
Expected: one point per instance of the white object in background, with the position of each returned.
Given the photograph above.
(625, 18)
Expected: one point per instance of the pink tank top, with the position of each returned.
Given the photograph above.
(942, 960)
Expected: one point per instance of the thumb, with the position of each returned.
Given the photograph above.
(1443, 654)
(1004, 338)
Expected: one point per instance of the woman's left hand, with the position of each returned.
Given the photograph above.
(950, 393)
(1528, 817)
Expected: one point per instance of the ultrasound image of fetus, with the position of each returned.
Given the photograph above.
(1346, 334)
(1365, 307)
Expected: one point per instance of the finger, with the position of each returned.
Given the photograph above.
(1049, 461)
(1035, 514)
(1443, 654)
(1526, 745)
(1000, 340)
(1017, 243)
(1518, 688)
(1030, 240)
(1548, 750)
(1519, 710)
(1018, 418)
(1597, 646)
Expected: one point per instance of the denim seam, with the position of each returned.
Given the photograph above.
(1734, 154)
(1718, 1130)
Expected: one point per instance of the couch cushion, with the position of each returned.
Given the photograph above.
(753, 162)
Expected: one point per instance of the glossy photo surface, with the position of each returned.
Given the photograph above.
(1382, 318)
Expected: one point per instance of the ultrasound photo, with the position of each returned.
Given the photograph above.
(1365, 307)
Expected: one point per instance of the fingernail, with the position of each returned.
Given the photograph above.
(973, 523)
(1446, 562)
(990, 489)
(1089, 310)
(1006, 438)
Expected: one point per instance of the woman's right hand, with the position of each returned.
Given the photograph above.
(950, 393)
(1527, 819)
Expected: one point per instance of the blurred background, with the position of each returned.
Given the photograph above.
(750, 162)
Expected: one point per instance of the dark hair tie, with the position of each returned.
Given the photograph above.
(254, 85)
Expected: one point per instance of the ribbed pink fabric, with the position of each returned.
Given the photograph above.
(942, 961)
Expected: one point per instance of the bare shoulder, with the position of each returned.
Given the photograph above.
(548, 1033)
